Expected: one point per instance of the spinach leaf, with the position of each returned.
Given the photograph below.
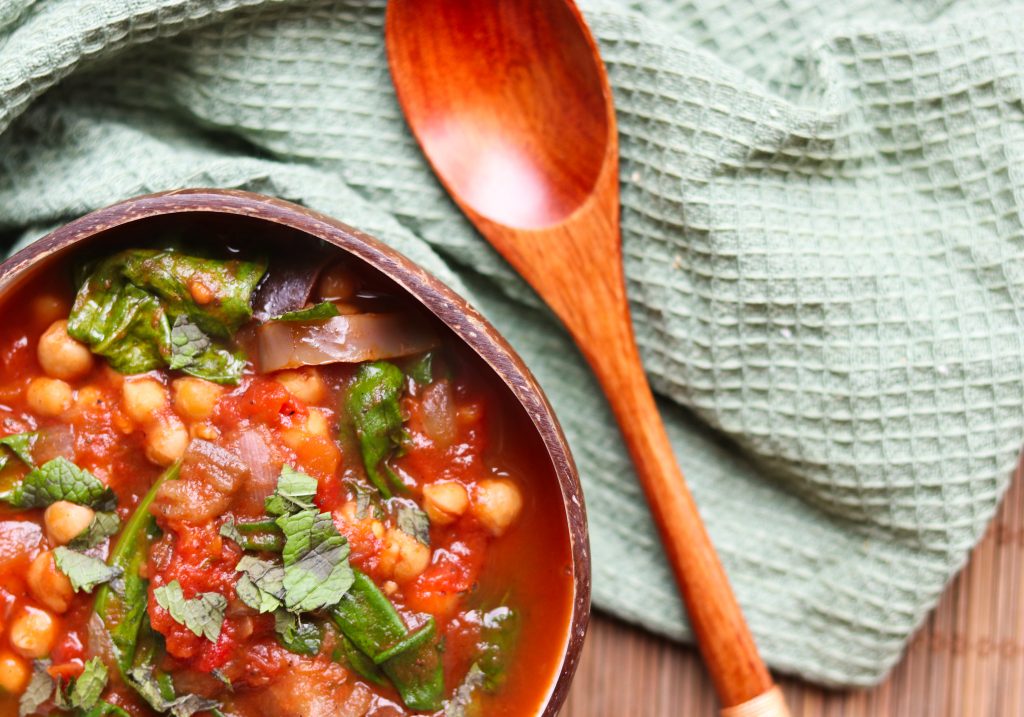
(261, 586)
(87, 688)
(262, 535)
(203, 614)
(20, 444)
(84, 571)
(39, 691)
(215, 294)
(295, 492)
(56, 480)
(125, 307)
(498, 635)
(373, 404)
(323, 310)
(422, 369)
(102, 526)
(302, 638)
(120, 321)
(412, 521)
(316, 569)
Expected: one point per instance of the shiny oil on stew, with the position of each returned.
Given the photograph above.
(235, 489)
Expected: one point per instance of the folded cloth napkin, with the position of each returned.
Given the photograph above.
(822, 224)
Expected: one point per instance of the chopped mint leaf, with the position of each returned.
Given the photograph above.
(413, 521)
(188, 343)
(203, 614)
(194, 352)
(302, 638)
(295, 492)
(104, 709)
(148, 686)
(261, 586)
(103, 525)
(366, 498)
(60, 479)
(316, 570)
(323, 310)
(373, 403)
(84, 571)
(39, 691)
(87, 688)
(20, 444)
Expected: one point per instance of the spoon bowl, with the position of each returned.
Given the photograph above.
(488, 128)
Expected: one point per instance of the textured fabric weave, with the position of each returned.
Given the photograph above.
(822, 222)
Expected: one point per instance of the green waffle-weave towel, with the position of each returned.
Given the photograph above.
(823, 222)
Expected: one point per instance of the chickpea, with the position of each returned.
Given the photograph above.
(49, 585)
(404, 557)
(445, 502)
(497, 504)
(338, 283)
(88, 397)
(305, 384)
(316, 425)
(65, 521)
(14, 673)
(196, 399)
(60, 355)
(48, 396)
(143, 399)
(206, 431)
(33, 633)
(47, 308)
(166, 441)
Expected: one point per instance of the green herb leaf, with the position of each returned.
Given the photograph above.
(461, 703)
(39, 691)
(262, 535)
(498, 635)
(84, 571)
(103, 525)
(295, 491)
(413, 521)
(215, 294)
(261, 586)
(188, 343)
(203, 614)
(146, 683)
(194, 352)
(20, 444)
(89, 685)
(302, 638)
(373, 404)
(323, 310)
(59, 479)
(105, 709)
(316, 570)
(422, 370)
(366, 499)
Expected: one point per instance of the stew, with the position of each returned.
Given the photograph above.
(236, 486)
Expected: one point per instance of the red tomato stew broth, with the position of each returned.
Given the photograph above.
(237, 484)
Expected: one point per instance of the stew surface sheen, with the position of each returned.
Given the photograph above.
(445, 537)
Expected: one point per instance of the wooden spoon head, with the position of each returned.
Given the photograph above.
(509, 100)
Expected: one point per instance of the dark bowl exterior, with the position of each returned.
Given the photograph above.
(451, 309)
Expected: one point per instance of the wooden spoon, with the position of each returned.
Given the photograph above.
(511, 103)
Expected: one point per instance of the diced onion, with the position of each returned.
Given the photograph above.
(439, 413)
(342, 339)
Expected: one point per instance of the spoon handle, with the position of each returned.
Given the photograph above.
(741, 679)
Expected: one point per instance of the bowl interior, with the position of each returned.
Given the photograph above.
(244, 221)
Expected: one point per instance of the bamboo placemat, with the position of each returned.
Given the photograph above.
(966, 661)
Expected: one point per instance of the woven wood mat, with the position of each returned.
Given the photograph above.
(966, 661)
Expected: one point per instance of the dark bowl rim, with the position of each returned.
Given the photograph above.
(450, 308)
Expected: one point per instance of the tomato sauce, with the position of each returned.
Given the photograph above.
(464, 441)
